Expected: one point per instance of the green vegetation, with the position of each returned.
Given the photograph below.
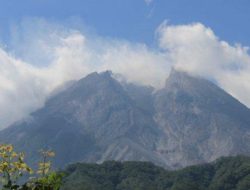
(232, 173)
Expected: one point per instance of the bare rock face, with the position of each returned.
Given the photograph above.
(201, 122)
(189, 121)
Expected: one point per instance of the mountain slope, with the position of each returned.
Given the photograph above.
(201, 122)
(189, 121)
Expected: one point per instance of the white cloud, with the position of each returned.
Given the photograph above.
(196, 49)
(70, 54)
(148, 2)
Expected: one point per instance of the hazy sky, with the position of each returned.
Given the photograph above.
(44, 43)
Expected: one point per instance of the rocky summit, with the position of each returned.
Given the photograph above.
(98, 118)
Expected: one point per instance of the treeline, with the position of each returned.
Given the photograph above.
(231, 173)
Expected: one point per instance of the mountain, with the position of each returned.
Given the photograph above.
(93, 120)
(189, 121)
(232, 173)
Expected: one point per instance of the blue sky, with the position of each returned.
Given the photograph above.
(134, 20)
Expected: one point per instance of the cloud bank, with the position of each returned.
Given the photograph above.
(60, 54)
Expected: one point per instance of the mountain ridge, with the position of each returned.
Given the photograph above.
(189, 121)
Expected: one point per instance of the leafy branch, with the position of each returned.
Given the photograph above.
(13, 167)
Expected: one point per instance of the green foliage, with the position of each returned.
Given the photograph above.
(232, 173)
(51, 181)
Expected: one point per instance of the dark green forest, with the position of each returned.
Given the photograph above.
(229, 173)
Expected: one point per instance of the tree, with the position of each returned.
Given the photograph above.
(13, 167)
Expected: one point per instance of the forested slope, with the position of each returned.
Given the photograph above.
(231, 173)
